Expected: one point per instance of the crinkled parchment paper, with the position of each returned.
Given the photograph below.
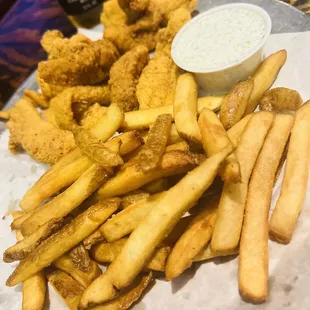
(210, 285)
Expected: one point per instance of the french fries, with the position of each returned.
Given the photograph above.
(279, 99)
(95, 149)
(143, 119)
(25, 246)
(179, 146)
(290, 202)
(126, 221)
(34, 288)
(235, 103)
(68, 200)
(192, 241)
(185, 109)
(235, 132)
(130, 178)
(17, 223)
(68, 289)
(84, 278)
(106, 252)
(156, 186)
(125, 300)
(133, 197)
(264, 77)
(143, 241)
(70, 168)
(214, 138)
(229, 221)
(174, 136)
(155, 145)
(63, 240)
(253, 257)
(207, 254)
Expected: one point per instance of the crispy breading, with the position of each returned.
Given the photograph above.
(124, 76)
(61, 105)
(86, 66)
(112, 14)
(40, 139)
(57, 46)
(157, 82)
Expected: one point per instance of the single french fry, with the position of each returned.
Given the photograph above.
(193, 240)
(279, 99)
(207, 254)
(130, 178)
(106, 252)
(179, 146)
(143, 119)
(23, 247)
(229, 221)
(68, 200)
(178, 230)
(253, 257)
(185, 109)
(264, 77)
(68, 288)
(63, 240)
(235, 132)
(174, 136)
(155, 145)
(141, 244)
(17, 223)
(156, 186)
(126, 221)
(294, 186)
(65, 264)
(235, 103)
(125, 300)
(71, 167)
(133, 197)
(214, 138)
(34, 288)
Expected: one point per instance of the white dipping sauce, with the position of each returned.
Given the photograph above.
(221, 38)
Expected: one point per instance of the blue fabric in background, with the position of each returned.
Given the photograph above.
(21, 29)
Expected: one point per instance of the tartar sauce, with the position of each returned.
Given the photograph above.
(221, 38)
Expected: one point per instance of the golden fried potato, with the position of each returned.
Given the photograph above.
(229, 221)
(253, 257)
(85, 278)
(143, 241)
(129, 178)
(28, 244)
(207, 254)
(280, 98)
(106, 252)
(294, 186)
(185, 109)
(235, 103)
(157, 186)
(264, 77)
(154, 147)
(214, 138)
(68, 289)
(235, 132)
(62, 241)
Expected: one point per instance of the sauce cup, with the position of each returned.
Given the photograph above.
(219, 79)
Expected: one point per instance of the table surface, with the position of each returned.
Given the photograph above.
(285, 18)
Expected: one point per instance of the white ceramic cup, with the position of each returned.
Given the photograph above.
(220, 80)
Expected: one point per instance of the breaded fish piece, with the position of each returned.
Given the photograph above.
(40, 139)
(157, 82)
(61, 105)
(56, 46)
(124, 76)
(87, 66)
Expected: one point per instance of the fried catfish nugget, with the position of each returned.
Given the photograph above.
(157, 82)
(40, 139)
(112, 14)
(56, 46)
(87, 66)
(124, 77)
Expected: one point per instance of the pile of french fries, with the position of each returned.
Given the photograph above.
(123, 202)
